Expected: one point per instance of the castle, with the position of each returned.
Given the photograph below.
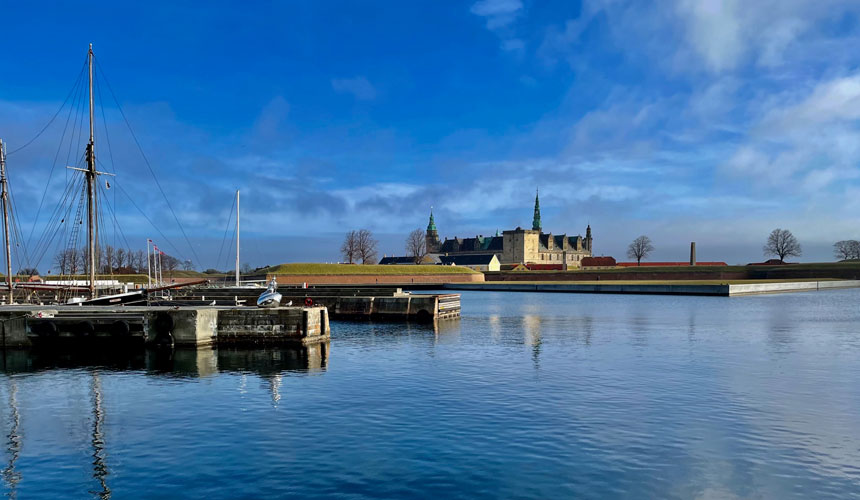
(517, 246)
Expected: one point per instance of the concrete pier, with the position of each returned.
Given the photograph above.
(344, 302)
(25, 325)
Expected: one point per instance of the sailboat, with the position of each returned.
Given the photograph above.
(91, 175)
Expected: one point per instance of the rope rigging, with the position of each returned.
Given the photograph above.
(62, 229)
(54, 117)
(146, 161)
(226, 228)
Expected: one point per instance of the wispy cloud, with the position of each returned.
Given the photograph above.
(359, 87)
(498, 13)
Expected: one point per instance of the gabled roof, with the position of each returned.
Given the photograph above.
(557, 241)
(467, 260)
(477, 244)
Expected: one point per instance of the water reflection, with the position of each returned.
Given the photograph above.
(204, 362)
(587, 330)
(532, 337)
(100, 469)
(780, 336)
(13, 442)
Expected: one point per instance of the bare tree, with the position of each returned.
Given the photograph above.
(83, 259)
(639, 249)
(349, 249)
(366, 246)
(782, 244)
(139, 261)
(416, 245)
(847, 249)
(108, 258)
(170, 262)
(66, 261)
(120, 258)
(187, 265)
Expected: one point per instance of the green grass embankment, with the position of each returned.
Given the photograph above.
(310, 268)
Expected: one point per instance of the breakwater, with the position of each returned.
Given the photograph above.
(344, 302)
(26, 325)
(723, 290)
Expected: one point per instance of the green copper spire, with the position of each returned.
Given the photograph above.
(432, 225)
(536, 221)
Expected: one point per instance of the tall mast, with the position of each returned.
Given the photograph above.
(91, 180)
(5, 199)
(237, 237)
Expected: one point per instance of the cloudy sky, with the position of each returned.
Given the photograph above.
(713, 121)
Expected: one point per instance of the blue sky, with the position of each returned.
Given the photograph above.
(683, 120)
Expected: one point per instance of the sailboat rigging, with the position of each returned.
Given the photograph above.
(81, 204)
(4, 197)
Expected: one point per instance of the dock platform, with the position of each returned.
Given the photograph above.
(358, 302)
(192, 326)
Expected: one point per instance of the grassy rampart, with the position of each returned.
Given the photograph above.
(354, 269)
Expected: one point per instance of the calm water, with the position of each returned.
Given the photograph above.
(528, 395)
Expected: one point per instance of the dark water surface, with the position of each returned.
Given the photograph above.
(528, 395)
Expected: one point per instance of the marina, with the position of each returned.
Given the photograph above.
(495, 249)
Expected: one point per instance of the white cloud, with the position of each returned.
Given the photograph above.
(714, 30)
(836, 100)
(358, 86)
(499, 13)
(513, 45)
(726, 33)
(806, 143)
(716, 35)
(272, 119)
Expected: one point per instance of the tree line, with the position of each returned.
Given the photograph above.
(114, 260)
(780, 243)
(360, 246)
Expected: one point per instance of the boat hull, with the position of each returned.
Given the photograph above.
(269, 299)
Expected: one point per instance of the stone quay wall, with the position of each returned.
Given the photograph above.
(371, 279)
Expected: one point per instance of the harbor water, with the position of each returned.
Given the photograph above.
(528, 395)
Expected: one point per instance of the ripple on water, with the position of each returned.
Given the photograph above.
(528, 395)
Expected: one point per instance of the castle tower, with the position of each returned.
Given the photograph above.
(588, 238)
(431, 236)
(536, 225)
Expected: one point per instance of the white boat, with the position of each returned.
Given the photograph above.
(271, 297)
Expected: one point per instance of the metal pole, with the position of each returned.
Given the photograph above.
(237, 237)
(148, 273)
(91, 179)
(5, 199)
